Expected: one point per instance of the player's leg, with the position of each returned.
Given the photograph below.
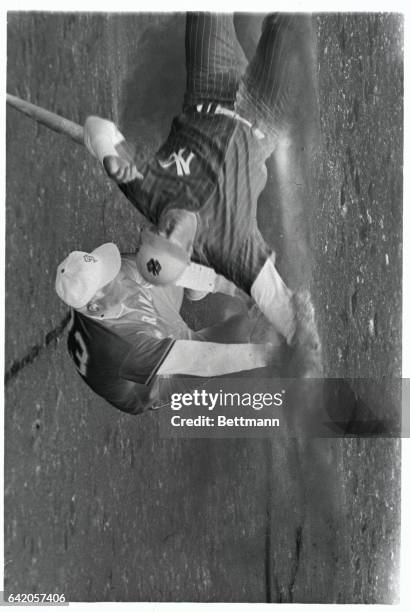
(278, 89)
(214, 59)
(279, 93)
(274, 299)
(292, 315)
(248, 27)
(240, 328)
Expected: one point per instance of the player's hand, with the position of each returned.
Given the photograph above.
(121, 170)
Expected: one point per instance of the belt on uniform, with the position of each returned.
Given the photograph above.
(221, 110)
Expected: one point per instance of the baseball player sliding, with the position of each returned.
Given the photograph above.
(125, 333)
(200, 190)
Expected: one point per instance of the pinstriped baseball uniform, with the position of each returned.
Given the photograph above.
(213, 164)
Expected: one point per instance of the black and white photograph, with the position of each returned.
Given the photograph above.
(203, 305)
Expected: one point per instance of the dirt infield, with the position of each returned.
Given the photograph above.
(97, 506)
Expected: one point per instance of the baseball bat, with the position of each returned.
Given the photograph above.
(51, 120)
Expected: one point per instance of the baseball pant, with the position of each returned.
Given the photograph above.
(267, 93)
(270, 90)
(215, 61)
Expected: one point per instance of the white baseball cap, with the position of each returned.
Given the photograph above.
(81, 274)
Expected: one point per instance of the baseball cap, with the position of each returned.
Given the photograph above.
(159, 260)
(82, 274)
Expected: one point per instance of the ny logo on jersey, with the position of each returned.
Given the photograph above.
(182, 165)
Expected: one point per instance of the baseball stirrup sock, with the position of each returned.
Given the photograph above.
(275, 300)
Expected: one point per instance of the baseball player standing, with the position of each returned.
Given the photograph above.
(200, 190)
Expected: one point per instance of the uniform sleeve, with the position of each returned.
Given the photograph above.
(145, 358)
(135, 193)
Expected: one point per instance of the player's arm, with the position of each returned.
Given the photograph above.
(199, 281)
(150, 356)
(195, 358)
(105, 142)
